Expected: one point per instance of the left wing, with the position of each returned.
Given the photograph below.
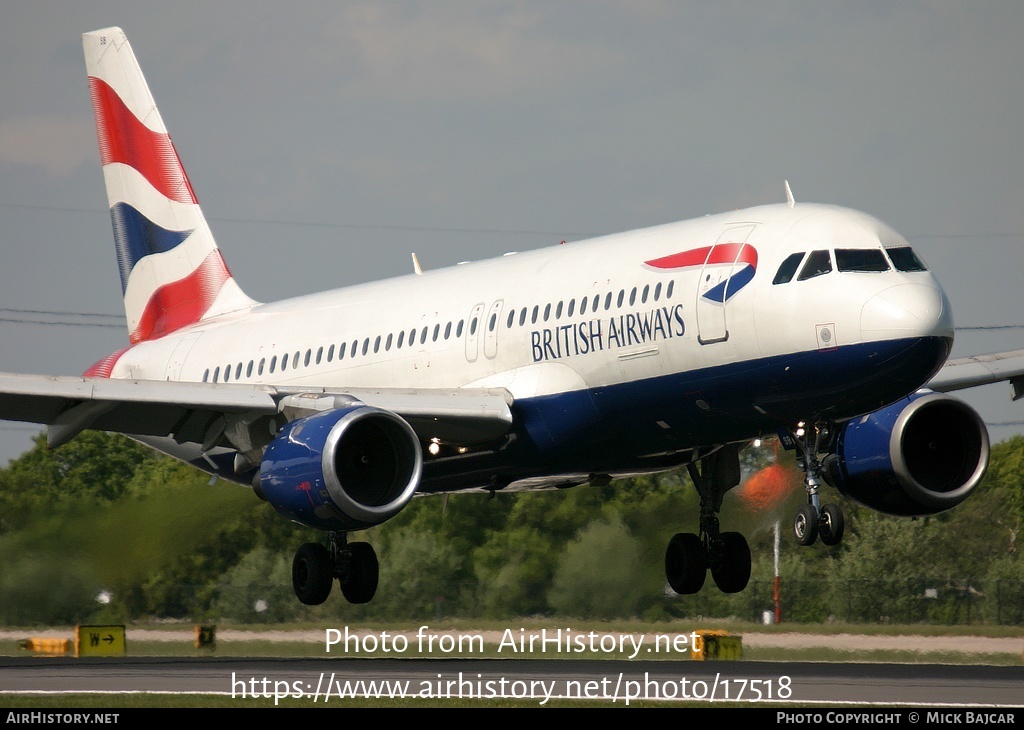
(968, 372)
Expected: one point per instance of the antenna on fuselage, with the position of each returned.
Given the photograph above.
(789, 197)
(416, 264)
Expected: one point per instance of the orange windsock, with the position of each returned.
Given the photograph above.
(768, 488)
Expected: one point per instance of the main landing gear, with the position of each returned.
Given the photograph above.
(354, 565)
(814, 520)
(688, 556)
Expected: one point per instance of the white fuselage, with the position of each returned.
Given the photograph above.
(516, 321)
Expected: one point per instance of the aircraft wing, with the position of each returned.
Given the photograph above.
(204, 412)
(968, 372)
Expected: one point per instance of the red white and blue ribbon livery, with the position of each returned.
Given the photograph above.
(742, 257)
(172, 274)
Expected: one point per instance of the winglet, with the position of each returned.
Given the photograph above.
(789, 195)
(416, 264)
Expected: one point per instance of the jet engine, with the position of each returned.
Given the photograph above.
(344, 469)
(919, 456)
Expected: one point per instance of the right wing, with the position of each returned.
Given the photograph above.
(238, 416)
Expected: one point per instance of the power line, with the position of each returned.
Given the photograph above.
(450, 229)
(990, 327)
(62, 314)
(47, 323)
(333, 224)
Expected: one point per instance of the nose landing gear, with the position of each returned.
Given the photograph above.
(814, 520)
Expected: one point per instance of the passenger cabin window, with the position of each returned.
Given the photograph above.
(904, 259)
(818, 263)
(788, 268)
(861, 259)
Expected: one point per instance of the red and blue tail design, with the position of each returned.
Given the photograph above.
(172, 273)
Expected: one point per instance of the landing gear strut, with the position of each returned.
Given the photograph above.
(689, 556)
(814, 520)
(354, 565)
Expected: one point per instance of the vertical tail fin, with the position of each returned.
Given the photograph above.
(172, 272)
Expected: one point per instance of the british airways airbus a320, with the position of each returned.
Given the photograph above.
(630, 353)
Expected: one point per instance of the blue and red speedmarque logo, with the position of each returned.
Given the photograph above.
(742, 257)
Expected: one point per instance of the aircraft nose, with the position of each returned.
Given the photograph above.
(907, 310)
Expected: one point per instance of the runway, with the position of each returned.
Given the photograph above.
(323, 681)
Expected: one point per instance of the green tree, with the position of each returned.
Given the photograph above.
(596, 575)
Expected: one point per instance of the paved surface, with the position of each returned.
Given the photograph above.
(753, 640)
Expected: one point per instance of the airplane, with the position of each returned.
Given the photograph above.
(654, 349)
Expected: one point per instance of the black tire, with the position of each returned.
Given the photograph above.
(805, 525)
(732, 571)
(831, 524)
(312, 574)
(686, 564)
(359, 584)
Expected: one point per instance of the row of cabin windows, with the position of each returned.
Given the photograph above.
(592, 304)
(847, 259)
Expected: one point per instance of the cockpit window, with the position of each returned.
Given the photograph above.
(788, 268)
(818, 263)
(904, 259)
(861, 259)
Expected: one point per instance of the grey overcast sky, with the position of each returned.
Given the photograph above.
(328, 140)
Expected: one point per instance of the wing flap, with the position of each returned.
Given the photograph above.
(145, 407)
(457, 415)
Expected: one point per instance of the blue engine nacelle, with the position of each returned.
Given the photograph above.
(344, 469)
(920, 456)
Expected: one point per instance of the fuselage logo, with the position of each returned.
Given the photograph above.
(737, 261)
